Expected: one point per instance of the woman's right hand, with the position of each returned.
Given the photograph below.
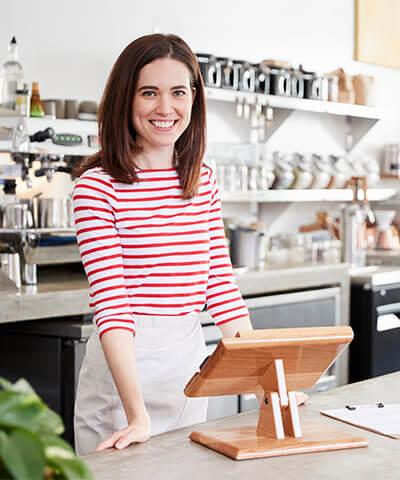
(137, 431)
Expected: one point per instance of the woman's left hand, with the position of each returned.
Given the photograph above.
(136, 432)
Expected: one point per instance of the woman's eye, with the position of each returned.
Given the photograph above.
(148, 93)
(179, 93)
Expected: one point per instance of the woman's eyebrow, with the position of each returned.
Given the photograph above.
(147, 87)
(153, 87)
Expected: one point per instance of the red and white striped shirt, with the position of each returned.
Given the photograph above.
(146, 251)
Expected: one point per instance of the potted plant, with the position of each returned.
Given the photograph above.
(30, 446)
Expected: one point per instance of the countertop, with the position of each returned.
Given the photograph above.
(64, 292)
(172, 456)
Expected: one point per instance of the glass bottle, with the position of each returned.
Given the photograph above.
(11, 76)
(23, 101)
(37, 109)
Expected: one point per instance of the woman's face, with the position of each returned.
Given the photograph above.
(162, 103)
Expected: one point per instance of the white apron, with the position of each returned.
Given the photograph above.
(169, 351)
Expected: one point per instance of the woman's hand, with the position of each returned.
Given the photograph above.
(138, 431)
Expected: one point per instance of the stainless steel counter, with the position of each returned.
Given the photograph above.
(61, 292)
(172, 456)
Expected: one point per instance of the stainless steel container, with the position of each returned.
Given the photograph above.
(53, 213)
(18, 216)
(248, 247)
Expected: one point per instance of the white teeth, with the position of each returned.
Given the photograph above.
(163, 124)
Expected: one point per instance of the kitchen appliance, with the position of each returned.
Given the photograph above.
(375, 319)
(248, 246)
(49, 355)
(353, 224)
(384, 237)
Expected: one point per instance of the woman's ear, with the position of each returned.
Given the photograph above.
(193, 94)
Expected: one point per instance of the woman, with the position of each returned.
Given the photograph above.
(150, 233)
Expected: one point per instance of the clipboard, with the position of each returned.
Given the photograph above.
(380, 418)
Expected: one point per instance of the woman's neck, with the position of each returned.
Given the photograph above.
(154, 159)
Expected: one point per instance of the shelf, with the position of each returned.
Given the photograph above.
(293, 103)
(326, 195)
(360, 118)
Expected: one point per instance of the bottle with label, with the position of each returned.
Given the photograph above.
(11, 76)
(23, 101)
(37, 109)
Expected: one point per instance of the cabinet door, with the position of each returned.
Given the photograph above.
(311, 308)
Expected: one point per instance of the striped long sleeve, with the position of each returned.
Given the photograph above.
(224, 300)
(101, 252)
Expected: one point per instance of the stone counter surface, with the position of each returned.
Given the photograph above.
(172, 456)
(62, 293)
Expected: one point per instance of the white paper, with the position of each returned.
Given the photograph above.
(384, 420)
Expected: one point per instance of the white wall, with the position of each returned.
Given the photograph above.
(70, 47)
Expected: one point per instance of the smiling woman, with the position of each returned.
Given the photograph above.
(119, 142)
(151, 237)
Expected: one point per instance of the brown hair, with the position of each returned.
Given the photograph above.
(117, 136)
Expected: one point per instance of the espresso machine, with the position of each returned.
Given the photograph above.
(38, 231)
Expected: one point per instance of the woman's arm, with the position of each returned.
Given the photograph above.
(119, 350)
(230, 329)
(101, 253)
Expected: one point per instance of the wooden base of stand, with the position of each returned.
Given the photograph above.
(243, 443)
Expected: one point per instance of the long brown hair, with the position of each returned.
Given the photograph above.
(117, 135)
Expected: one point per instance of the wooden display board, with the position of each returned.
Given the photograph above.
(274, 363)
(377, 34)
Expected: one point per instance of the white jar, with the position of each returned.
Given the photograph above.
(321, 172)
(302, 172)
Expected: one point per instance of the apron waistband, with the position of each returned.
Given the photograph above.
(170, 322)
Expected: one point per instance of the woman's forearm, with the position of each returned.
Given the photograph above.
(119, 350)
(230, 329)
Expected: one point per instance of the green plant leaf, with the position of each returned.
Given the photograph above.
(21, 386)
(51, 442)
(50, 422)
(71, 468)
(28, 411)
(22, 454)
(61, 457)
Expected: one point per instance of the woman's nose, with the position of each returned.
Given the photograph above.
(164, 105)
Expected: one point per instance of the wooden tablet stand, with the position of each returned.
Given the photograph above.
(272, 363)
